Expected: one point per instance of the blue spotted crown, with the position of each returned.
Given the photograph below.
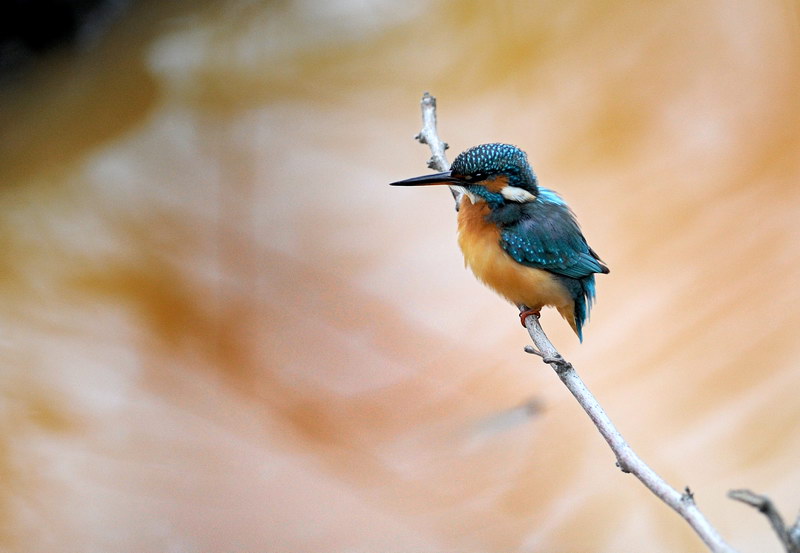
(490, 159)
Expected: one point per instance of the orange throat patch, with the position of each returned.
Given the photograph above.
(479, 240)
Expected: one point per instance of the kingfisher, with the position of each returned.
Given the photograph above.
(519, 238)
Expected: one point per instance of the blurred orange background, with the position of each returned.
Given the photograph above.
(223, 331)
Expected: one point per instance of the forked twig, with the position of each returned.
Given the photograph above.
(790, 537)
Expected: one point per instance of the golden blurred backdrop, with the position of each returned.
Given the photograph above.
(223, 332)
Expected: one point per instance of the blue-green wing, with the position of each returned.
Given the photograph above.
(549, 238)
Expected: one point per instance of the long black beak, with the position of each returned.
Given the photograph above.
(424, 180)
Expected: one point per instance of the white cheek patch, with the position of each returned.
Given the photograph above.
(517, 194)
(472, 197)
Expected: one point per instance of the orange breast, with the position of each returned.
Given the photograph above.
(480, 243)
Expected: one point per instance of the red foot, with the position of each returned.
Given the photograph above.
(527, 313)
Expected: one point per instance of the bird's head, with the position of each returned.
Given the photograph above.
(493, 173)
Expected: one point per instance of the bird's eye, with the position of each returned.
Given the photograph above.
(477, 177)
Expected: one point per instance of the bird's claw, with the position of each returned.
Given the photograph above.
(527, 313)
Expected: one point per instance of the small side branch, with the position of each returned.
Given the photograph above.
(790, 538)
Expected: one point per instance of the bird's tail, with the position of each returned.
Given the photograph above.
(583, 304)
(582, 292)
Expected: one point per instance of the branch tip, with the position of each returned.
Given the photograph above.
(532, 350)
(790, 538)
(760, 502)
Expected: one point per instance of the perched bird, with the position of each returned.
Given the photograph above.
(519, 238)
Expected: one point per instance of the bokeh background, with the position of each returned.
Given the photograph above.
(223, 332)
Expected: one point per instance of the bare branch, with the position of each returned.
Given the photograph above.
(429, 135)
(789, 538)
(627, 460)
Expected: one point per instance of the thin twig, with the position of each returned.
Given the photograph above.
(627, 460)
(788, 537)
(430, 136)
